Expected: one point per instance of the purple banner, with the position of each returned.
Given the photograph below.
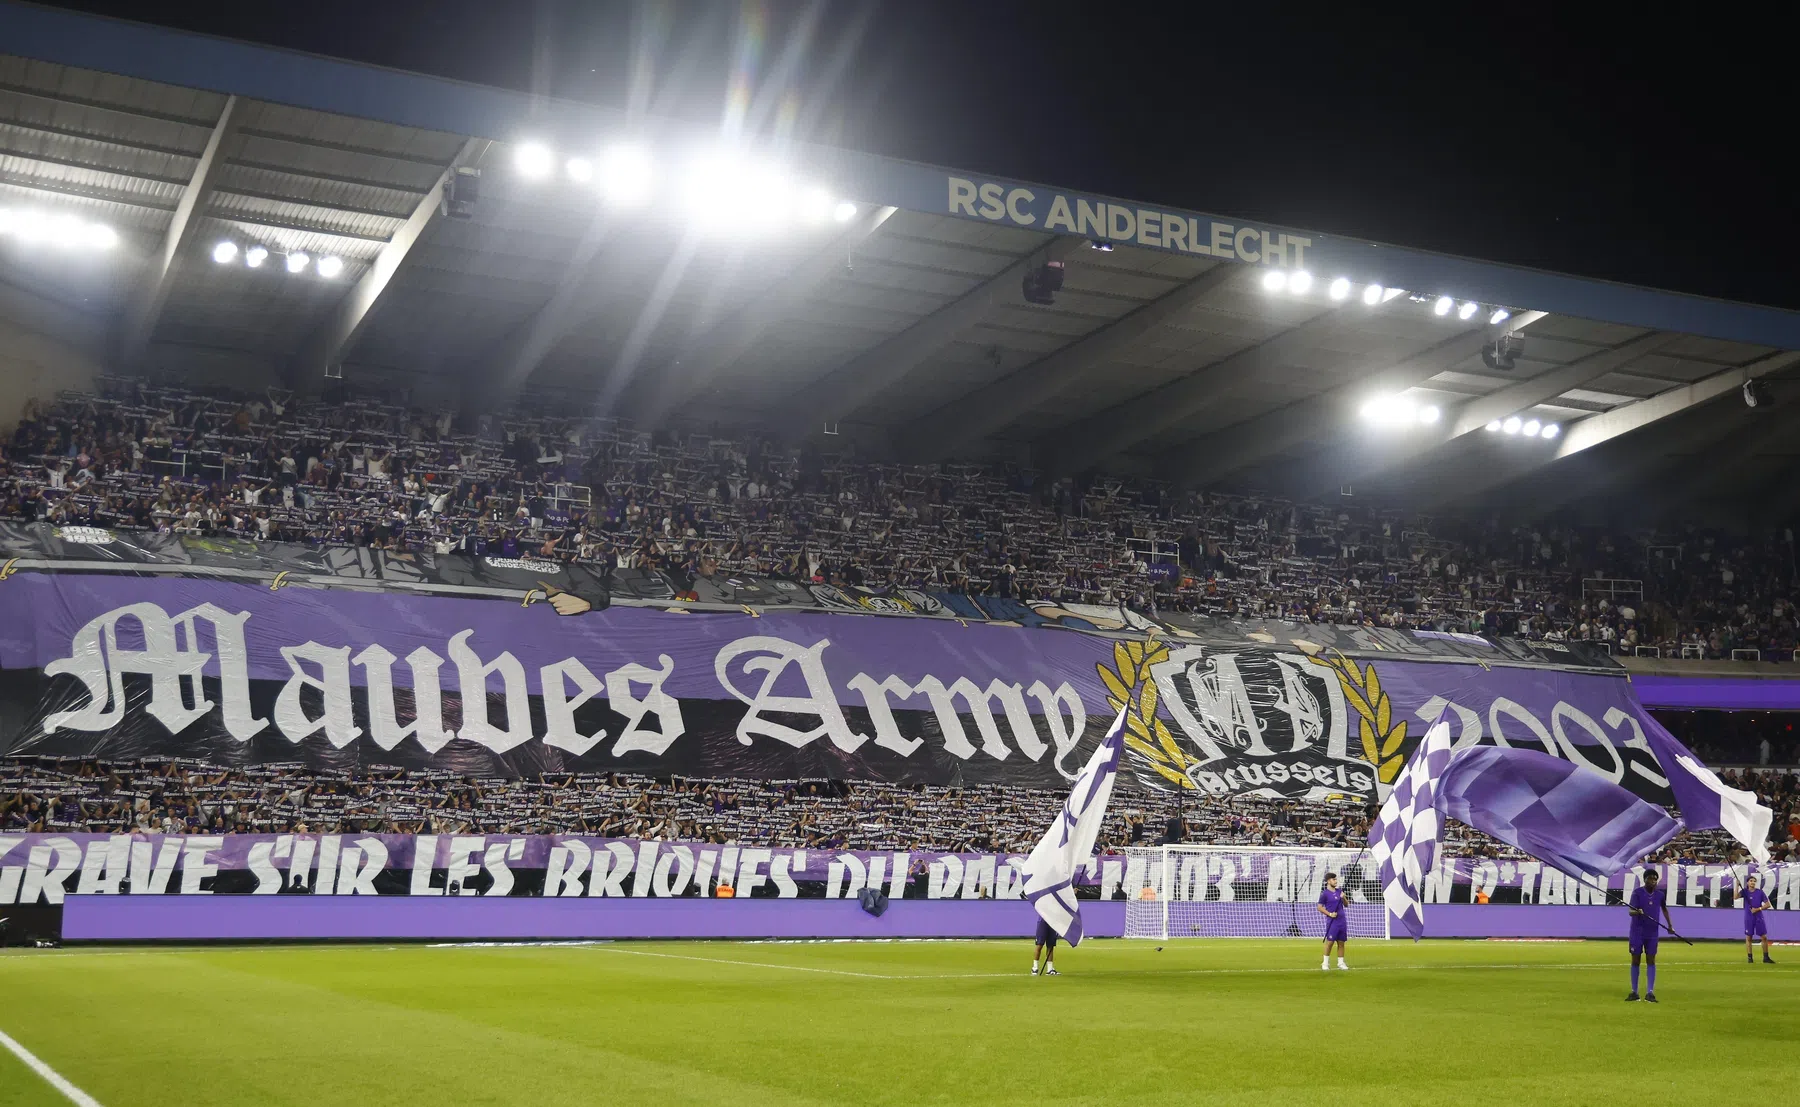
(125, 668)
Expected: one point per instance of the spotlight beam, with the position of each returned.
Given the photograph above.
(697, 367)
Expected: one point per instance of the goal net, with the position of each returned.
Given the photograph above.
(1225, 892)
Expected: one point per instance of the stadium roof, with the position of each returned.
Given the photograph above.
(888, 301)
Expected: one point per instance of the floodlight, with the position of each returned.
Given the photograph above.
(330, 266)
(1274, 280)
(1430, 414)
(1551, 430)
(1389, 293)
(1340, 288)
(580, 169)
(1500, 316)
(1531, 428)
(1443, 306)
(298, 261)
(1299, 281)
(1493, 425)
(100, 236)
(64, 231)
(1512, 424)
(1372, 295)
(255, 256)
(1391, 411)
(625, 175)
(224, 251)
(1468, 310)
(534, 160)
(844, 212)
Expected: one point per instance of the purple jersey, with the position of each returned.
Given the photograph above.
(1332, 900)
(1651, 904)
(1753, 899)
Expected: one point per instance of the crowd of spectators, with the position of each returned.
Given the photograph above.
(357, 470)
(60, 795)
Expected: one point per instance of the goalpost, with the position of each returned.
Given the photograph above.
(1246, 892)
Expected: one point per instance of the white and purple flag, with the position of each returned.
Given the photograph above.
(1069, 842)
(1404, 838)
(1705, 800)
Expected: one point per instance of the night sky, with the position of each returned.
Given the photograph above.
(1648, 151)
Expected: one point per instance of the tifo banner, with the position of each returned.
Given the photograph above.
(44, 868)
(127, 667)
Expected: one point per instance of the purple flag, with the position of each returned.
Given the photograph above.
(1568, 817)
(1705, 800)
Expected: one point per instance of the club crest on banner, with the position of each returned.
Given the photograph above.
(1254, 720)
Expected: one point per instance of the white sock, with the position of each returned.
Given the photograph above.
(1325, 963)
(1049, 966)
(1341, 964)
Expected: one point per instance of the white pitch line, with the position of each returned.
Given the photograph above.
(751, 964)
(51, 1076)
(609, 948)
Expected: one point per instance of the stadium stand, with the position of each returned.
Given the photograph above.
(49, 795)
(374, 471)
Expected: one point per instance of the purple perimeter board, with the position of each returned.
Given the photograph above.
(1724, 693)
(301, 918)
(271, 918)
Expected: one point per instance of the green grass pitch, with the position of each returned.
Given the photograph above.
(1237, 1022)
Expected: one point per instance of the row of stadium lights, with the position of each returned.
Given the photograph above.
(295, 261)
(61, 231)
(720, 188)
(1300, 282)
(1399, 411)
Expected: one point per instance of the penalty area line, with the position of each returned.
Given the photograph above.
(51, 1076)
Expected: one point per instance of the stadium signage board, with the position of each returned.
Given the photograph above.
(1045, 209)
(45, 868)
(124, 667)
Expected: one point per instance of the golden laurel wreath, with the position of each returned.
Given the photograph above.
(1128, 685)
(1382, 737)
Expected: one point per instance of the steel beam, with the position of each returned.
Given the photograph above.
(969, 418)
(1596, 430)
(332, 339)
(860, 380)
(1080, 445)
(1354, 462)
(152, 291)
(1322, 416)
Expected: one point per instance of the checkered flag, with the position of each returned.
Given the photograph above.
(1404, 839)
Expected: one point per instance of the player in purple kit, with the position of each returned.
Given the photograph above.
(1646, 903)
(1337, 927)
(1756, 901)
